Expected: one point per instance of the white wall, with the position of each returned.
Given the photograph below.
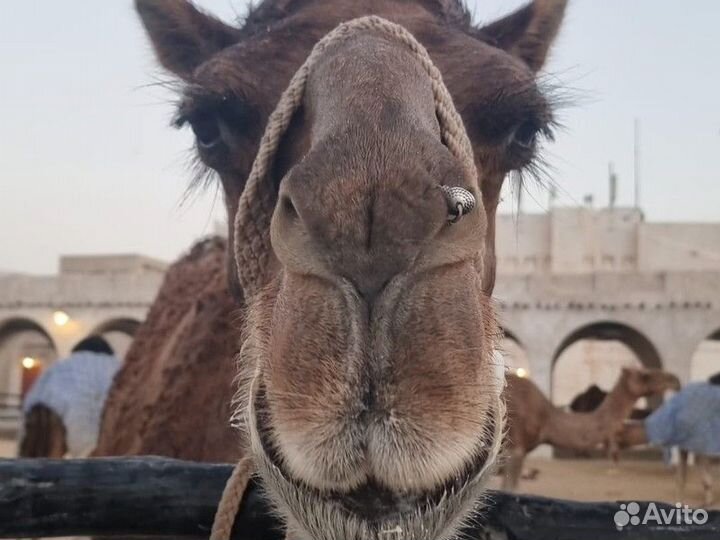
(584, 240)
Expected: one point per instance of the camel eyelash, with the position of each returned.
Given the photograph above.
(239, 116)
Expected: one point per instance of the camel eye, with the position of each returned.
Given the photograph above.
(206, 128)
(525, 135)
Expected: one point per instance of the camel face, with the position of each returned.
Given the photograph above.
(649, 382)
(372, 400)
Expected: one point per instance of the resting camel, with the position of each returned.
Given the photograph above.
(362, 246)
(533, 420)
(689, 421)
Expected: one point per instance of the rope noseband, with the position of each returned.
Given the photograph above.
(257, 202)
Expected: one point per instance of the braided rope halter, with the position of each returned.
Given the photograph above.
(257, 202)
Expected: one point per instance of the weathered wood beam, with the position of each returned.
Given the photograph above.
(162, 497)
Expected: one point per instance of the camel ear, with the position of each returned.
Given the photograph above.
(183, 36)
(529, 32)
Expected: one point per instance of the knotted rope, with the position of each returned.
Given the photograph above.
(257, 202)
(230, 501)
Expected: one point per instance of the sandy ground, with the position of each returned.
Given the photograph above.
(602, 480)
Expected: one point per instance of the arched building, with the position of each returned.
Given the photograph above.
(43, 317)
(587, 291)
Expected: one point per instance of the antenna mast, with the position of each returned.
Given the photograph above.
(637, 163)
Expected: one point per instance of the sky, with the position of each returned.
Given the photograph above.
(89, 164)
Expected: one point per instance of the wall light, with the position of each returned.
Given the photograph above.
(29, 362)
(61, 318)
(521, 372)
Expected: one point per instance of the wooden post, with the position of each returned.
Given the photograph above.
(163, 497)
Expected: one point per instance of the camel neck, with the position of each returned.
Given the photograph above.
(617, 404)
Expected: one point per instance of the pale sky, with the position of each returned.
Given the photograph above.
(89, 165)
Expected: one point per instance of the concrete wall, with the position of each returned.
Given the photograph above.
(585, 240)
(678, 246)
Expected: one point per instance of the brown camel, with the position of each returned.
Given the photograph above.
(533, 420)
(173, 395)
(44, 434)
(373, 404)
(592, 398)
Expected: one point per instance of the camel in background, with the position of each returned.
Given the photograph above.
(592, 398)
(173, 395)
(533, 420)
(43, 434)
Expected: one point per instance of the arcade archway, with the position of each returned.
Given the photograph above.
(705, 361)
(595, 354)
(26, 349)
(119, 333)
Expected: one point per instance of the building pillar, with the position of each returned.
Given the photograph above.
(540, 355)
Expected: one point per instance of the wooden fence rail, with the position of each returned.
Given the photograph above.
(162, 497)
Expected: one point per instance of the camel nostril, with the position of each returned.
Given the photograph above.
(289, 207)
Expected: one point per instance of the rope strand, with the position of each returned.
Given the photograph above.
(230, 501)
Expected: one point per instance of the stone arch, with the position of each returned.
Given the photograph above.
(126, 325)
(21, 339)
(705, 360)
(13, 325)
(119, 333)
(594, 354)
(514, 352)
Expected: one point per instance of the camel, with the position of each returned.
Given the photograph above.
(361, 246)
(44, 434)
(689, 422)
(172, 397)
(533, 420)
(592, 398)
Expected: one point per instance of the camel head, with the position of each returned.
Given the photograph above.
(648, 382)
(373, 401)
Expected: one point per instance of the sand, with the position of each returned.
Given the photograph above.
(602, 480)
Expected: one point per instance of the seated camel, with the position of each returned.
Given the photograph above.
(689, 421)
(533, 420)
